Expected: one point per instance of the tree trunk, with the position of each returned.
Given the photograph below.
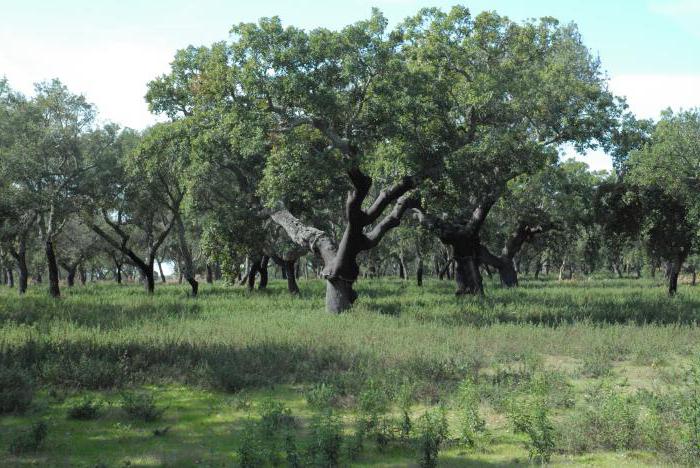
(402, 273)
(263, 272)
(252, 272)
(468, 276)
(119, 274)
(508, 274)
(404, 268)
(210, 274)
(160, 271)
(54, 289)
(561, 269)
(10, 278)
(339, 295)
(70, 277)
(291, 277)
(616, 268)
(673, 281)
(445, 270)
(149, 280)
(22, 267)
(186, 255)
(694, 277)
(419, 272)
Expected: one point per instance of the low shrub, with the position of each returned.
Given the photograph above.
(29, 439)
(321, 396)
(141, 405)
(472, 425)
(86, 409)
(325, 441)
(16, 390)
(432, 433)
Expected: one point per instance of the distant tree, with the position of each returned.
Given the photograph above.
(666, 170)
(517, 92)
(119, 202)
(45, 159)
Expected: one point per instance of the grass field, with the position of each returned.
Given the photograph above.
(600, 371)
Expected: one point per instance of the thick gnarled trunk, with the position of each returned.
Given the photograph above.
(467, 262)
(340, 260)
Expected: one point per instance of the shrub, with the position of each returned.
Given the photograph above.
(250, 450)
(433, 432)
(16, 390)
(530, 415)
(85, 372)
(142, 406)
(274, 416)
(325, 440)
(690, 415)
(356, 443)
(597, 363)
(471, 423)
(30, 439)
(86, 409)
(321, 396)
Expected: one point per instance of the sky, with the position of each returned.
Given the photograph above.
(109, 50)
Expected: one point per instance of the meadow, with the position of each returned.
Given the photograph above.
(594, 371)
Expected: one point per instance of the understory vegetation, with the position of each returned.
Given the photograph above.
(586, 371)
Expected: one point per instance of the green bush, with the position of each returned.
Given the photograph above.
(472, 425)
(530, 415)
(86, 409)
(321, 396)
(432, 434)
(274, 417)
(141, 405)
(325, 441)
(29, 439)
(690, 415)
(16, 390)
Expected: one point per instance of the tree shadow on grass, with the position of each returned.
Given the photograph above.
(549, 311)
(31, 310)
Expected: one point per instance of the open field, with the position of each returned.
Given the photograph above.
(592, 371)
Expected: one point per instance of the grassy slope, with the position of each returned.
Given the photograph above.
(103, 338)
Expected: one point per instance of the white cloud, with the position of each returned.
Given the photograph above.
(647, 96)
(111, 74)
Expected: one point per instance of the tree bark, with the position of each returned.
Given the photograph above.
(10, 278)
(149, 280)
(340, 261)
(252, 272)
(186, 255)
(292, 285)
(54, 289)
(160, 271)
(210, 274)
(70, 277)
(419, 272)
(262, 269)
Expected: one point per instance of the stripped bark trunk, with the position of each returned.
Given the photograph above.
(341, 269)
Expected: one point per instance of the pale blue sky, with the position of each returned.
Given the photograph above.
(109, 49)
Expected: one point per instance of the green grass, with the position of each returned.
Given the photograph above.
(211, 361)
